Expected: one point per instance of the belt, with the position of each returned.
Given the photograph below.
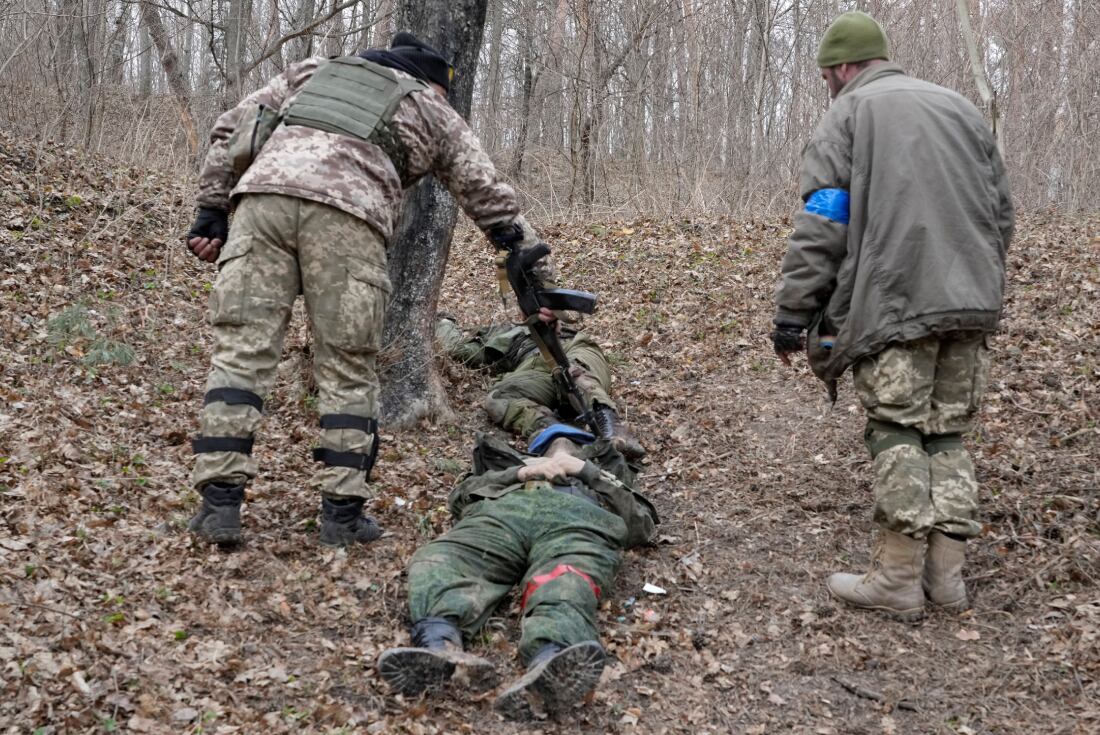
(589, 496)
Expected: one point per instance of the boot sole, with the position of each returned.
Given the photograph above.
(413, 671)
(910, 615)
(219, 536)
(559, 683)
(341, 538)
(959, 606)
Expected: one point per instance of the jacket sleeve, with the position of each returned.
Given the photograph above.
(1006, 213)
(820, 238)
(216, 178)
(440, 142)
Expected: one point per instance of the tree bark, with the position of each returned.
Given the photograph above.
(172, 71)
(977, 70)
(418, 252)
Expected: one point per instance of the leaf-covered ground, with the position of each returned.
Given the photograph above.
(112, 619)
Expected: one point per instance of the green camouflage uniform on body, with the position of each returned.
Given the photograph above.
(525, 398)
(560, 543)
(313, 213)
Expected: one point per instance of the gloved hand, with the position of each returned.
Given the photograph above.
(505, 237)
(787, 339)
(209, 233)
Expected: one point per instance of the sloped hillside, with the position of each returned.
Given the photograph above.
(113, 620)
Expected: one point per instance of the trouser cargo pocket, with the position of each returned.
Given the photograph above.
(352, 318)
(229, 298)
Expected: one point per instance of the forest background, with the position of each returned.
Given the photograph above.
(655, 144)
(591, 107)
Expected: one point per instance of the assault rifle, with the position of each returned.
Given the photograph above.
(531, 298)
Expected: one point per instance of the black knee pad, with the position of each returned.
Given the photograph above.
(936, 443)
(353, 460)
(233, 397)
(882, 435)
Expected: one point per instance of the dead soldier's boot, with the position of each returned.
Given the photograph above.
(621, 437)
(557, 678)
(435, 658)
(893, 584)
(343, 522)
(943, 581)
(219, 519)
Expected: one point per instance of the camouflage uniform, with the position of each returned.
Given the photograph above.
(314, 212)
(924, 478)
(561, 543)
(526, 399)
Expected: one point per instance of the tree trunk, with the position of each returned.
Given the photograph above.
(145, 76)
(172, 71)
(977, 69)
(418, 252)
(492, 106)
(515, 170)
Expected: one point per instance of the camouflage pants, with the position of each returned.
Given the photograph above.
(526, 399)
(920, 398)
(279, 247)
(546, 541)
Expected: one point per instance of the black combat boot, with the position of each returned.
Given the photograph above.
(219, 519)
(621, 437)
(435, 659)
(343, 523)
(557, 677)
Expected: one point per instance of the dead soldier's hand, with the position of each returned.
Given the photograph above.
(560, 466)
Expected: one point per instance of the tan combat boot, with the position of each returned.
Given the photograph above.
(943, 582)
(893, 583)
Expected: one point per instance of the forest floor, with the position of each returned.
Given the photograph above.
(112, 619)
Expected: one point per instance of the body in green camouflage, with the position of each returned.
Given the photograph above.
(525, 399)
(560, 543)
(920, 398)
(279, 247)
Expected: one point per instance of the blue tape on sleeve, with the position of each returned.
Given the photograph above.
(829, 203)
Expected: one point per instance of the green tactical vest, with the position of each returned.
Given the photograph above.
(352, 96)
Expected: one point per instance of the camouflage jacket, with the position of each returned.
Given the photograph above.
(606, 478)
(356, 176)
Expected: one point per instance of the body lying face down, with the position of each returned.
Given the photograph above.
(552, 527)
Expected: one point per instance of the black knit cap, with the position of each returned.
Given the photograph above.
(432, 65)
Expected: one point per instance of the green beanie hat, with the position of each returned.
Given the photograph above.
(853, 37)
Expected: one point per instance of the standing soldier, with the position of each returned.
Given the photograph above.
(315, 205)
(896, 267)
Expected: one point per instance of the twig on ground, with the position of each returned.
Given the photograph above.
(874, 696)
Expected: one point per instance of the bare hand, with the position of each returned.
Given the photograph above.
(205, 249)
(785, 357)
(560, 466)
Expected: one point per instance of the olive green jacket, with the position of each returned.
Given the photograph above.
(928, 223)
(606, 478)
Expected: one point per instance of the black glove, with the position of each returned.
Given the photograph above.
(211, 223)
(788, 338)
(504, 237)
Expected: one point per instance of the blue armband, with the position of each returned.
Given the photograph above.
(829, 203)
